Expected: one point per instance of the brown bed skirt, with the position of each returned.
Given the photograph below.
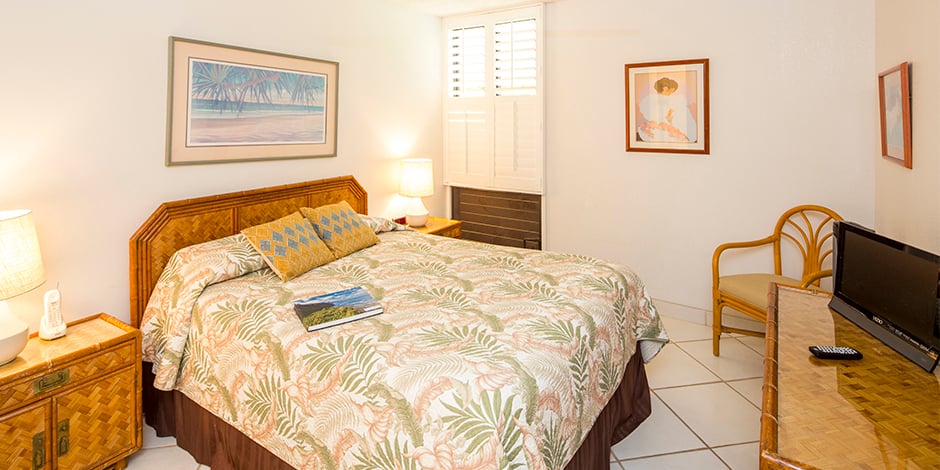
(215, 443)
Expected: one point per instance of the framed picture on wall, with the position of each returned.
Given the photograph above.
(894, 93)
(228, 104)
(667, 106)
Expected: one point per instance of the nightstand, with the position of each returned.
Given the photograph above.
(73, 402)
(440, 226)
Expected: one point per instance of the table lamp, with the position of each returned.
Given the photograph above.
(21, 271)
(417, 181)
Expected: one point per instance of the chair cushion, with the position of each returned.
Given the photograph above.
(752, 288)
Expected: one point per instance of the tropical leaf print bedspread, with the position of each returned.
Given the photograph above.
(485, 356)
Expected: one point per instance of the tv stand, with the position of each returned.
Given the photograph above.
(877, 412)
(897, 340)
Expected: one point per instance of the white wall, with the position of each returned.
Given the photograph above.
(83, 118)
(84, 107)
(907, 202)
(791, 93)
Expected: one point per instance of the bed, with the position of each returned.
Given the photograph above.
(485, 356)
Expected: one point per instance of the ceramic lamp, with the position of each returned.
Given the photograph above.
(417, 181)
(21, 271)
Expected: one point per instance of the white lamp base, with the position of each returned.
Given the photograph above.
(416, 220)
(416, 215)
(13, 334)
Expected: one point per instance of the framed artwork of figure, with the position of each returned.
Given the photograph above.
(667, 106)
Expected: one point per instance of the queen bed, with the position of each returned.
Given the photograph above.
(484, 357)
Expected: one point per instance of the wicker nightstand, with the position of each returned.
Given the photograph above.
(443, 227)
(73, 402)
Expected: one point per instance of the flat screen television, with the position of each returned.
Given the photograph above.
(890, 289)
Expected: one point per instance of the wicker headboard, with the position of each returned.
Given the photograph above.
(178, 224)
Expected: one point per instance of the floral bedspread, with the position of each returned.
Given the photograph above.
(485, 356)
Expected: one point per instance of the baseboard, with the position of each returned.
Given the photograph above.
(682, 312)
(701, 316)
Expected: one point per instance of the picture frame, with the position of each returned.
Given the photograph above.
(894, 97)
(667, 106)
(235, 104)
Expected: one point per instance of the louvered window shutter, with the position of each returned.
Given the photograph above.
(466, 68)
(493, 102)
(515, 56)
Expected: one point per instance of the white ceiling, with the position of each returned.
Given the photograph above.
(459, 7)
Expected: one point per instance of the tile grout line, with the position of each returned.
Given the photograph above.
(716, 373)
(719, 458)
(708, 382)
(742, 394)
(711, 449)
(681, 420)
(161, 446)
(706, 446)
(663, 454)
(618, 462)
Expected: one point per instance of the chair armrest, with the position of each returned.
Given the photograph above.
(735, 245)
(813, 278)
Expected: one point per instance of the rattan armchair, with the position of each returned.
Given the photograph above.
(809, 228)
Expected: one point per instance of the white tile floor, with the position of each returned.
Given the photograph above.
(161, 453)
(706, 410)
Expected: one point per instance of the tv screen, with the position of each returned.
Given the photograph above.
(889, 282)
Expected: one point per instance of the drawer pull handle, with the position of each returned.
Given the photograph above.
(51, 381)
(63, 432)
(39, 450)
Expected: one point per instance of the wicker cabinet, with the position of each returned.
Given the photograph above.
(879, 412)
(73, 402)
(443, 227)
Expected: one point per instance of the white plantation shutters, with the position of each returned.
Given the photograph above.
(467, 147)
(493, 101)
(466, 70)
(517, 146)
(515, 55)
(466, 133)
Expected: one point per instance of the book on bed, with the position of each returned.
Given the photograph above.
(336, 308)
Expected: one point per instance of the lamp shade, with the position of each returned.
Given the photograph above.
(20, 259)
(417, 177)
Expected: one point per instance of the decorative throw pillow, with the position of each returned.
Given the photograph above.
(382, 224)
(340, 227)
(290, 245)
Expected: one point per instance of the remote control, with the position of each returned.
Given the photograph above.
(835, 352)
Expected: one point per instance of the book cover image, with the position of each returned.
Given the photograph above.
(335, 308)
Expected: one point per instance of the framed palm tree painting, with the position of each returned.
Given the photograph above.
(228, 104)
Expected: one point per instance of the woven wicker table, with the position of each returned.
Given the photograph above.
(443, 227)
(882, 411)
(73, 402)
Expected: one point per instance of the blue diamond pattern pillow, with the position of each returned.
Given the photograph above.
(341, 228)
(290, 245)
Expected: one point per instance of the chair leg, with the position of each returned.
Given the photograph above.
(716, 327)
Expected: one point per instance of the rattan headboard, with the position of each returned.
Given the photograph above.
(178, 224)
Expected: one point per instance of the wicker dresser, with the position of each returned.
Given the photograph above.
(882, 411)
(440, 226)
(74, 402)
